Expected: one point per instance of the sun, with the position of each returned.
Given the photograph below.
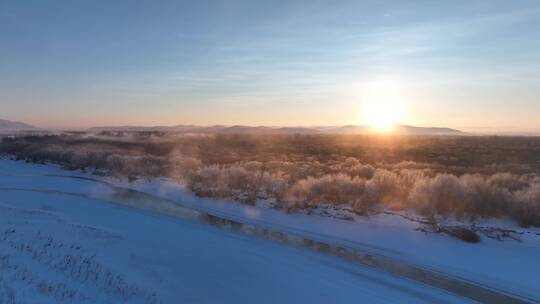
(382, 115)
(382, 103)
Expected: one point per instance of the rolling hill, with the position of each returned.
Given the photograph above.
(239, 129)
(15, 126)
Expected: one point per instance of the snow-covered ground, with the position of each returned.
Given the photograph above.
(510, 265)
(53, 241)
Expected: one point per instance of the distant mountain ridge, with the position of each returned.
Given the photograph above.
(239, 129)
(13, 126)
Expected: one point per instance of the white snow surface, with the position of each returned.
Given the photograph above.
(508, 265)
(157, 259)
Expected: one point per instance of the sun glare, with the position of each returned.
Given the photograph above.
(382, 108)
(382, 115)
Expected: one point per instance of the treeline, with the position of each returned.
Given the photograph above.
(435, 176)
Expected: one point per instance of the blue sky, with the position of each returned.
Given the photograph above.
(473, 65)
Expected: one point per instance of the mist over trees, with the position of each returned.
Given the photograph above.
(462, 177)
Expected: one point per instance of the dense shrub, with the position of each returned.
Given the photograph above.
(436, 176)
(335, 189)
(527, 206)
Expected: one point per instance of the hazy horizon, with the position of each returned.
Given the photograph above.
(467, 65)
(480, 132)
